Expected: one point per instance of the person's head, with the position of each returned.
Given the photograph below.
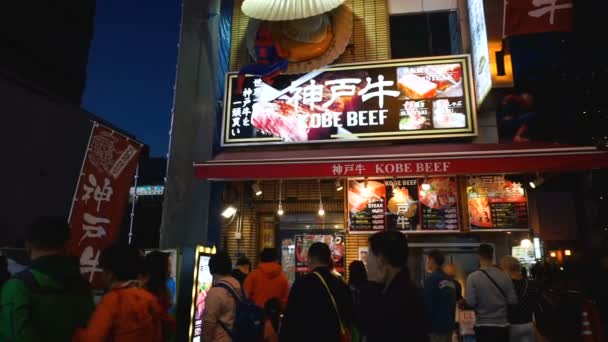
(47, 235)
(319, 255)
(486, 254)
(120, 263)
(511, 266)
(220, 264)
(388, 254)
(156, 271)
(450, 270)
(434, 260)
(243, 264)
(269, 255)
(357, 274)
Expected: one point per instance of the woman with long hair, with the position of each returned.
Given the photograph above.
(157, 270)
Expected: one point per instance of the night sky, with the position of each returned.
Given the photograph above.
(131, 70)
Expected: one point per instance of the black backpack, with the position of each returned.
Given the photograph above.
(249, 320)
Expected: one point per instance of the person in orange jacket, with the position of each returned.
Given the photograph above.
(127, 312)
(267, 281)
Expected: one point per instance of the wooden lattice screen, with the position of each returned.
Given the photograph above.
(370, 40)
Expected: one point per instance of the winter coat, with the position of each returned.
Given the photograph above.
(220, 306)
(266, 282)
(125, 314)
(55, 302)
(310, 314)
(393, 312)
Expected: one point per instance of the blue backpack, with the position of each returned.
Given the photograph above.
(249, 320)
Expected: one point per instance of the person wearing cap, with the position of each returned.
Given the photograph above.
(267, 281)
(243, 267)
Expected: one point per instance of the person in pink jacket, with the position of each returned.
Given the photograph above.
(220, 305)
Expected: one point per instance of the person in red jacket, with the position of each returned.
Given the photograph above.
(267, 281)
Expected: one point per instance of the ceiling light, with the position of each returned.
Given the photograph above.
(321, 211)
(553, 254)
(280, 212)
(257, 190)
(568, 252)
(339, 186)
(229, 211)
(526, 243)
(537, 182)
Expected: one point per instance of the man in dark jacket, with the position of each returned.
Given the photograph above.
(50, 300)
(440, 299)
(392, 307)
(243, 267)
(310, 314)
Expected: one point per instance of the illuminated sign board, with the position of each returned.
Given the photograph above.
(479, 49)
(398, 99)
(148, 190)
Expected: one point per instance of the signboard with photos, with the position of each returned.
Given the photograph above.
(496, 203)
(390, 100)
(403, 204)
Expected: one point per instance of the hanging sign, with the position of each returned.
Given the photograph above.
(101, 197)
(395, 99)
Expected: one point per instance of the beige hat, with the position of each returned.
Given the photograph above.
(333, 40)
(279, 10)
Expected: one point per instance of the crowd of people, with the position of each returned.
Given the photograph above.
(51, 301)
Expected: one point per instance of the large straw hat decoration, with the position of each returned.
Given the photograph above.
(310, 33)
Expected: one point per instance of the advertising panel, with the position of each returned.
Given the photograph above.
(335, 243)
(403, 204)
(496, 203)
(100, 198)
(479, 49)
(203, 280)
(397, 99)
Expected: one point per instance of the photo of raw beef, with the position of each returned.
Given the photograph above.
(281, 120)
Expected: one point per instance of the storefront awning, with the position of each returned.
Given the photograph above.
(403, 160)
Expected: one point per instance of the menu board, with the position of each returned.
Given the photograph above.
(402, 205)
(439, 204)
(366, 205)
(389, 100)
(334, 241)
(202, 285)
(496, 203)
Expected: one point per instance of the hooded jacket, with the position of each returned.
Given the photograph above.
(125, 314)
(266, 282)
(51, 308)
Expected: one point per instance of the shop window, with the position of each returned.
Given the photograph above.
(425, 34)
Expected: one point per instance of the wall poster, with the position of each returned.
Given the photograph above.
(202, 284)
(366, 205)
(439, 204)
(403, 208)
(335, 243)
(496, 203)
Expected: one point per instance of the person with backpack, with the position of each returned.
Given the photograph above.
(521, 316)
(440, 299)
(320, 305)
(50, 299)
(229, 316)
(490, 293)
(268, 280)
(127, 312)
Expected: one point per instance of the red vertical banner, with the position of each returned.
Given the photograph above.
(101, 197)
(537, 16)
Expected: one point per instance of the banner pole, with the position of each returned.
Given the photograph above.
(84, 160)
(133, 200)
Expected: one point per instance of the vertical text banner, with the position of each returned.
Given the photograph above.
(101, 197)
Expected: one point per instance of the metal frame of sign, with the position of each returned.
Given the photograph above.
(471, 130)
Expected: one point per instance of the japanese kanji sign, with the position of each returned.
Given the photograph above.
(537, 16)
(398, 99)
(101, 197)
